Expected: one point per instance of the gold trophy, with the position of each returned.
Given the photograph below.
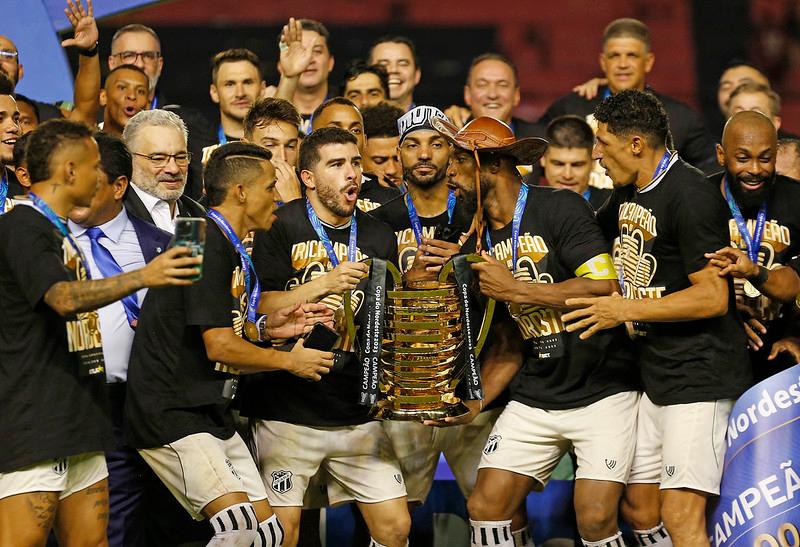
(419, 344)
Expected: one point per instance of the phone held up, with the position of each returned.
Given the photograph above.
(190, 232)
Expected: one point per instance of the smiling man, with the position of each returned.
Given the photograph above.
(124, 95)
(9, 132)
(398, 56)
(365, 85)
(236, 83)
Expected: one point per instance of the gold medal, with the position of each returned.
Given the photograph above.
(251, 331)
(750, 290)
(515, 310)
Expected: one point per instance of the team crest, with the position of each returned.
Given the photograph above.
(611, 464)
(399, 478)
(60, 466)
(492, 444)
(281, 481)
(670, 469)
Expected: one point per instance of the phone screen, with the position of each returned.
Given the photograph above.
(191, 232)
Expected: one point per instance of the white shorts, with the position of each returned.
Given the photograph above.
(200, 468)
(63, 475)
(531, 441)
(418, 447)
(358, 458)
(681, 446)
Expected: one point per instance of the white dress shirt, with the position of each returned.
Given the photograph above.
(117, 335)
(158, 209)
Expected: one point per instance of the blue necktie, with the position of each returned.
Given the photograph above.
(108, 267)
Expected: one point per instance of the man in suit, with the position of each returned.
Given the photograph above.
(114, 241)
(157, 140)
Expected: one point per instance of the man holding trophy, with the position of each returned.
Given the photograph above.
(542, 247)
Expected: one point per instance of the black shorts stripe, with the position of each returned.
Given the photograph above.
(248, 521)
(234, 524)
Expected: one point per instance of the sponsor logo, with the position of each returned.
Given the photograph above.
(60, 466)
(611, 464)
(492, 444)
(670, 469)
(232, 469)
(399, 478)
(281, 481)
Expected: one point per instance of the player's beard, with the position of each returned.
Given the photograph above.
(428, 181)
(332, 199)
(469, 198)
(749, 199)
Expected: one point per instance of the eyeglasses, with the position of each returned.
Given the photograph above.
(8, 54)
(129, 57)
(159, 161)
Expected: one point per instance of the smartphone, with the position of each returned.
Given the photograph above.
(447, 232)
(321, 338)
(190, 232)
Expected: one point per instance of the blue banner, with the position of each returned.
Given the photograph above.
(759, 503)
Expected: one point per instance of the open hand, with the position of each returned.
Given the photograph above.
(83, 23)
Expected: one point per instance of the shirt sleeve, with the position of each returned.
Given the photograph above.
(35, 259)
(271, 256)
(700, 219)
(209, 302)
(578, 237)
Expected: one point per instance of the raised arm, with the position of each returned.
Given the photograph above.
(87, 82)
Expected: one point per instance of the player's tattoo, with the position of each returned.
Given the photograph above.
(43, 507)
(71, 297)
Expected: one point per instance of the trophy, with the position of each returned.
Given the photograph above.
(420, 342)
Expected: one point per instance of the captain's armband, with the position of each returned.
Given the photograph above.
(599, 267)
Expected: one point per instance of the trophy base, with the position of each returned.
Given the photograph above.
(384, 411)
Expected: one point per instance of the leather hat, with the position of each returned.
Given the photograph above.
(491, 135)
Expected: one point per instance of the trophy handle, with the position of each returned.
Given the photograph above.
(349, 315)
(488, 313)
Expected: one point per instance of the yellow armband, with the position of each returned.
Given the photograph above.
(599, 267)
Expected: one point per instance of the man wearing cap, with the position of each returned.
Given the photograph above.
(428, 204)
(543, 246)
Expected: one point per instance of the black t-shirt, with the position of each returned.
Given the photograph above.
(372, 195)
(395, 214)
(558, 234)
(598, 196)
(664, 231)
(692, 140)
(291, 254)
(174, 390)
(47, 408)
(779, 244)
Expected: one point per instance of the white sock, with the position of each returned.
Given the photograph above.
(613, 541)
(654, 537)
(522, 538)
(494, 533)
(234, 526)
(270, 533)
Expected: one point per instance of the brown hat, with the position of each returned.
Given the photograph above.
(491, 135)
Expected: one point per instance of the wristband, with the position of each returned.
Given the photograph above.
(91, 52)
(761, 278)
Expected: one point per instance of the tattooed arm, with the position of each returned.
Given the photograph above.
(171, 268)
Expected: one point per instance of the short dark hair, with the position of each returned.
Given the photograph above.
(23, 99)
(115, 158)
(126, 67)
(493, 57)
(233, 162)
(789, 142)
(20, 148)
(396, 40)
(570, 132)
(634, 111)
(232, 56)
(627, 28)
(309, 150)
(268, 110)
(753, 87)
(357, 67)
(6, 85)
(380, 121)
(45, 142)
(319, 28)
(737, 62)
(331, 102)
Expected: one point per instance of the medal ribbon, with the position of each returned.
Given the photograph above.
(416, 225)
(247, 265)
(221, 136)
(753, 243)
(519, 209)
(326, 241)
(51, 215)
(3, 191)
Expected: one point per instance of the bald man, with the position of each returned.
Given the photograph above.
(765, 233)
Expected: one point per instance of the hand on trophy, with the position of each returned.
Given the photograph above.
(309, 363)
(475, 407)
(435, 253)
(496, 280)
(293, 321)
(344, 277)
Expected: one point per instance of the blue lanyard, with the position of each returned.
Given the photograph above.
(587, 194)
(606, 93)
(753, 243)
(221, 136)
(247, 264)
(326, 241)
(51, 215)
(3, 190)
(154, 102)
(416, 225)
(519, 209)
